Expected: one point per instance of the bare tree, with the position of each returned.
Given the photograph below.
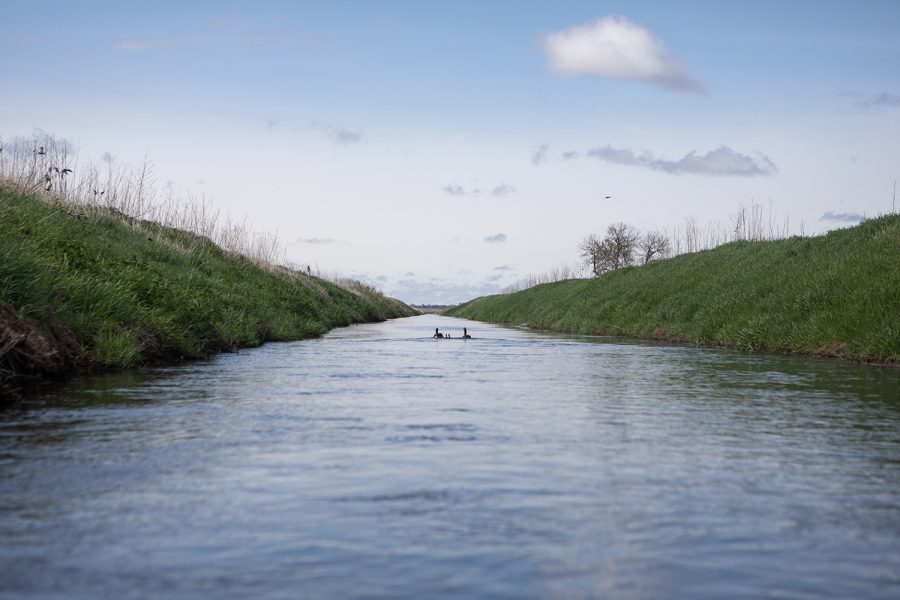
(691, 235)
(589, 251)
(614, 251)
(653, 245)
(894, 199)
(619, 246)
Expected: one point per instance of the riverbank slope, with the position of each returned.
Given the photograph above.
(835, 295)
(85, 289)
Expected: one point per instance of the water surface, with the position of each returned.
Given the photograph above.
(378, 462)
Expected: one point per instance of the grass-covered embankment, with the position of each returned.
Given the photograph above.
(832, 295)
(87, 288)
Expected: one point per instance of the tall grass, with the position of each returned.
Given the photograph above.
(560, 273)
(750, 222)
(51, 169)
(835, 295)
(120, 279)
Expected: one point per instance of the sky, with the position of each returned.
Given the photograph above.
(444, 150)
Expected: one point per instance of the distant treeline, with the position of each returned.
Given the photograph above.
(432, 308)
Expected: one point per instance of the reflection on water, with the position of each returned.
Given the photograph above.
(378, 462)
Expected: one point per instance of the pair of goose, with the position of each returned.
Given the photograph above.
(465, 335)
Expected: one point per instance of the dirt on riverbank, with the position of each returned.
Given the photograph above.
(29, 349)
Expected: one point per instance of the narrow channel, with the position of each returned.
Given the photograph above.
(378, 461)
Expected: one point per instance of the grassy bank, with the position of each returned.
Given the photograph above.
(832, 295)
(85, 289)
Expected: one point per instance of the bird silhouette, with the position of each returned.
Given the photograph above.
(41, 151)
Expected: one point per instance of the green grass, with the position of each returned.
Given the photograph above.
(833, 295)
(101, 290)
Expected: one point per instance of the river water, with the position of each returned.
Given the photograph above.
(378, 462)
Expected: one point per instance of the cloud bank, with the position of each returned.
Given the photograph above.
(497, 238)
(723, 161)
(616, 47)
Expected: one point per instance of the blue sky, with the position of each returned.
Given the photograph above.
(445, 149)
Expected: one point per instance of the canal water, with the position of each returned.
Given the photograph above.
(378, 462)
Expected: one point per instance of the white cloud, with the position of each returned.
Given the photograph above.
(314, 241)
(141, 45)
(503, 190)
(884, 99)
(722, 161)
(345, 137)
(616, 47)
(158, 43)
(339, 135)
(281, 38)
(842, 217)
(454, 189)
(497, 238)
(540, 154)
